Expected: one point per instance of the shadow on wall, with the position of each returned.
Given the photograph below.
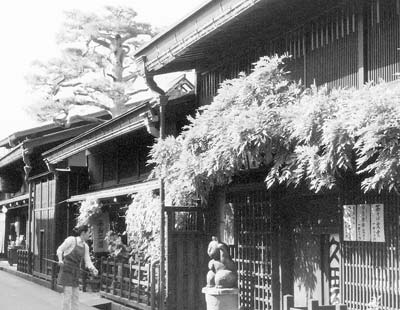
(307, 261)
(310, 223)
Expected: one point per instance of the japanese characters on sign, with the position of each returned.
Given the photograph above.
(377, 223)
(334, 269)
(100, 229)
(349, 223)
(363, 222)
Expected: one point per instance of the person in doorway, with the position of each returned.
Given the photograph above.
(70, 254)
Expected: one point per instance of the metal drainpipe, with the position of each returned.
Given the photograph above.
(30, 227)
(162, 101)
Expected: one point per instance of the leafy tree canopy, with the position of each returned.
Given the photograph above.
(301, 135)
(95, 67)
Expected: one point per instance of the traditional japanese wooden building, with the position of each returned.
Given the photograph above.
(26, 227)
(285, 241)
(114, 157)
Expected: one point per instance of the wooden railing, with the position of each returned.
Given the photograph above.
(23, 261)
(132, 284)
(288, 304)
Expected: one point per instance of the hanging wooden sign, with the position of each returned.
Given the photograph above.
(377, 223)
(349, 223)
(100, 228)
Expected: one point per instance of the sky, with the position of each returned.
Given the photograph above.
(27, 32)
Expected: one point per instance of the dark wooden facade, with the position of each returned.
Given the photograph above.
(346, 46)
(114, 156)
(18, 190)
(333, 43)
(120, 161)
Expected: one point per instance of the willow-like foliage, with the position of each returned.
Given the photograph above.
(302, 136)
(143, 225)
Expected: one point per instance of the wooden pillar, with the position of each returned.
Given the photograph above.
(276, 281)
(286, 255)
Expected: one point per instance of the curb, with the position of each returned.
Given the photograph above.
(28, 277)
(38, 281)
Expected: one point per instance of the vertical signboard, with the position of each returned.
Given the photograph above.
(349, 223)
(377, 223)
(100, 228)
(363, 222)
(334, 269)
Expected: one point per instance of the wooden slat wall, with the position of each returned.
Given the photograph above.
(324, 51)
(331, 58)
(383, 39)
(372, 269)
(253, 248)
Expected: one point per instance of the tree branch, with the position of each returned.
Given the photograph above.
(88, 118)
(91, 103)
(112, 76)
(127, 37)
(72, 84)
(101, 42)
(129, 77)
(126, 49)
(137, 91)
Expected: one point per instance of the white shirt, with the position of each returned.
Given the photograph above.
(68, 245)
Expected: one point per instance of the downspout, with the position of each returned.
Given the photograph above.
(162, 100)
(27, 170)
(30, 218)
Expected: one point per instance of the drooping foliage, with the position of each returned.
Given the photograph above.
(95, 67)
(309, 136)
(89, 209)
(143, 225)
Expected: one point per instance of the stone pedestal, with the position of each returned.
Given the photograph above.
(221, 298)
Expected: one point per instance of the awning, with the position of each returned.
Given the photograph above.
(15, 200)
(28, 145)
(115, 192)
(192, 39)
(13, 155)
(118, 126)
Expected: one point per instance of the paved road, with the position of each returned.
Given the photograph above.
(19, 294)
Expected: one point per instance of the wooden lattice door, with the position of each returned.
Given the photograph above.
(253, 247)
(186, 259)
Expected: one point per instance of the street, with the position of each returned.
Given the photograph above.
(19, 294)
